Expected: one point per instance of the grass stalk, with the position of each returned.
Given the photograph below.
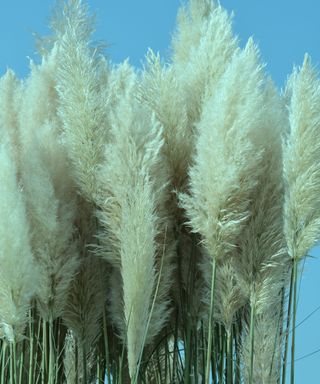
(21, 361)
(286, 343)
(210, 330)
(251, 336)
(221, 353)
(13, 363)
(44, 360)
(294, 313)
(76, 361)
(237, 357)
(38, 347)
(3, 361)
(58, 350)
(175, 346)
(187, 352)
(84, 363)
(229, 357)
(196, 357)
(106, 345)
(31, 348)
(51, 369)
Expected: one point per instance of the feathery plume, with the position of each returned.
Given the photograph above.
(260, 261)
(18, 272)
(160, 91)
(11, 90)
(267, 351)
(69, 361)
(202, 48)
(49, 188)
(229, 296)
(225, 169)
(82, 100)
(133, 214)
(301, 151)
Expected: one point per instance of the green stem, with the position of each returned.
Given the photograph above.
(58, 351)
(187, 352)
(175, 347)
(237, 333)
(84, 362)
(13, 363)
(44, 363)
(229, 357)
(51, 354)
(209, 348)
(221, 353)
(120, 370)
(31, 347)
(252, 321)
(295, 285)
(38, 347)
(106, 345)
(76, 361)
(3, 361)
(21, 361)
(285, 357)
(196, 356)
(98, 369)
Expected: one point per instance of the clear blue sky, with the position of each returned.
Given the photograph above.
(284, 30)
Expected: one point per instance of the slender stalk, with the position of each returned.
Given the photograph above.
(221, 353)
(44, 362)
(13, 363)
(175, 346)
(59, 351)
(215, 355)
(84, 362)
(196, 356)
(166, 362)
(76, 360)
(98, 369)
(106, 345)
(3, 361)
(187, 352)
(229, 357)
(38, 346)
(237, 332)
(252, 321)
(51, 373)
(31, 347)
(286, 344)
(293, 339)
(121, 366)
(203, 357)
(21, 361)
(209, 348)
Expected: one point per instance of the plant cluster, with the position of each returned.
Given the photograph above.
(152, 222)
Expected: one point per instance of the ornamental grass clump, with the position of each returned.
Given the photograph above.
(153, 221)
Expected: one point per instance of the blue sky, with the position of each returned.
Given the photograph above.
(284, 30)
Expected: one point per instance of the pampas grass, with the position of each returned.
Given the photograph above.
(134, 214)
(19, 274)
(301, 175)
(153, 222)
